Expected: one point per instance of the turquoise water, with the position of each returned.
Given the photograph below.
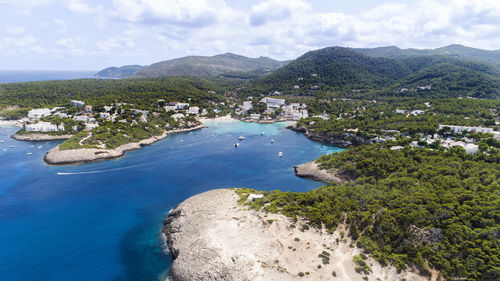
(102, 221)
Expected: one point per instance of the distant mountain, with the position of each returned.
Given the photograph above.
(119, 72)
(346, 69)
(454, 51)
(209, 66)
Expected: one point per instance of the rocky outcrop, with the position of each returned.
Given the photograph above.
(56, 156)
(211, 237)
(329, 139)
(39, 137)
(311, 170)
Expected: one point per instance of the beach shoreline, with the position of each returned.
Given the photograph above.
(8, 123)
(59, 157)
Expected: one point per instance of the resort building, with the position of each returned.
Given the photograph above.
(460, 129)
(193, 110)
(169, 108)
(272, 102)
(38, 113)
(43, 127)
(89, 126)
(178, 116)
(77, 103)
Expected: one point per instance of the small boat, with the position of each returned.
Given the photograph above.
(182, 140)
(280, 154)
(241, 137)
(1, 141)
(237, 144)
(11, 146)
(39, 146)
(262, 133)
(272, 140)
(29, 153)
(5, 149)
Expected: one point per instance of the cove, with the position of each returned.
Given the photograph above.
(102, 221)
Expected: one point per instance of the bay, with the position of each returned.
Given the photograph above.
(102, 221)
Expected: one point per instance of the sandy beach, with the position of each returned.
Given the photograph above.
(8, 123)
(212, 237)
(221, 119)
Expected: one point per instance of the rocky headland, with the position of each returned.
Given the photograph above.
(212, 237)
(39, 137)
(327, 139)
(56, 156)
(311, 170)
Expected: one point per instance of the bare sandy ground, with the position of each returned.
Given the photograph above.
(214, 238)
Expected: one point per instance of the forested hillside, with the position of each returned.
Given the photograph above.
(422, 207)
(208, 66)
(344, 70)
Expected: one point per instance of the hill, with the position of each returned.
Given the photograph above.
(209, 66)
(453, 51)
(119, 72)
(344, 70)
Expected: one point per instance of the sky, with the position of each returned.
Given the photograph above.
(94, 34)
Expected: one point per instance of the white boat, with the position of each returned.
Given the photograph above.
(262, 133)
(5, 149)
(11, 146)
(241, 137)
(39, 146)
(29, 153)
(272, 140)
(1, 141)
(237, 144)
(280, 154)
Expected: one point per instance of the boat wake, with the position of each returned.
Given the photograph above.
(107, 170)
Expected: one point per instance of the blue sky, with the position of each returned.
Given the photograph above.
(90, 35)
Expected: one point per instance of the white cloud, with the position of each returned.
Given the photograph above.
(277, 10)
(125, 40)
(185, 12)
(15, 30)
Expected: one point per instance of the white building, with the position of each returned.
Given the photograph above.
(272, 102)
(39, 113)
(89, 126)
(43, 127)
(81, 118)
(178, 116)
(105, 115)
(400, 111)
(255, 116)
(107, 108)
(417, 112)
(193, 110)
(77, 103)
(169, 108)
(459, 129)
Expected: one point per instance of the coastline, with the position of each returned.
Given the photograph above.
(56, 156)
(212, 237)
(8, 123)
(220, 119)
(39, 137)
(311, 170)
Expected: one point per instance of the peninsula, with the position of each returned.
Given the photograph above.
(212, 237)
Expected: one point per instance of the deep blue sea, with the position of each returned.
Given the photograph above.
(25, 76)
(103, 221)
